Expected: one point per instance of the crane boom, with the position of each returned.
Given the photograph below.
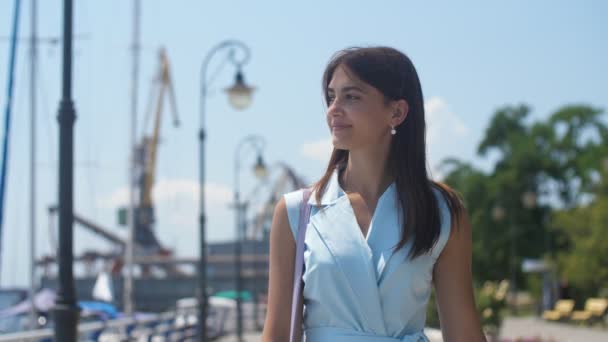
(165, 86)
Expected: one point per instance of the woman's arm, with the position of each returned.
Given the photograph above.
(453, 286)
(280, 280)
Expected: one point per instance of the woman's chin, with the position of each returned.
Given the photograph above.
(340, 144)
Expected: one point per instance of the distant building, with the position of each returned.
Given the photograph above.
(161, 293)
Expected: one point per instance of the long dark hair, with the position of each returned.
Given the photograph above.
(394, 75)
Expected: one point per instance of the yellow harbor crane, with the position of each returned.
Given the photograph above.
(146, 155)
(146, 160)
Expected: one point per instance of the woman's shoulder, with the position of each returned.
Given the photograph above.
(293, 202)
(448, 199)
(293, 198)
(450, 210)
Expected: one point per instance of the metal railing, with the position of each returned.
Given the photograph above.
(168, 326)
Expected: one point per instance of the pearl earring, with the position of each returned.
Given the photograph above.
(393, 130)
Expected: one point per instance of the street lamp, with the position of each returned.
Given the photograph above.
(528, 201)
(260, 170)
(499, 213)
(240, 94)
(240, 98)
(66, 310)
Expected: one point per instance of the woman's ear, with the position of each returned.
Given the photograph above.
(400, 111)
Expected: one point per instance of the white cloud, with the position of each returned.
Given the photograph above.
(168, 189)
(447, 134)
(118, 198)
(177, 208)
(319, 150)
(171, 190)
(444, 128)
(442, 122)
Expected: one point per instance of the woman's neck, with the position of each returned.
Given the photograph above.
(367, 173)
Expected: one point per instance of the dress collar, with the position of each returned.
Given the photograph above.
(332, 193)
(333, 190)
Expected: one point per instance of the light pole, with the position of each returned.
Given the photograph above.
(528, 201)
(240, 98)
(257, 142)
(499, 213)
(66, 311)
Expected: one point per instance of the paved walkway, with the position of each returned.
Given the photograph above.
(527, 327)
(434, 335)
(556, 332)
(248, 337)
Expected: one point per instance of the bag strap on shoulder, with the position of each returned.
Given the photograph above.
(299, 260)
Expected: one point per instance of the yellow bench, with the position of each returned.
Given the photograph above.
(595, 308)
(563, 309)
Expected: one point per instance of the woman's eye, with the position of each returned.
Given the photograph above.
(348, 97)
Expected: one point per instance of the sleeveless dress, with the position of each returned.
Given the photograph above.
(355, 288)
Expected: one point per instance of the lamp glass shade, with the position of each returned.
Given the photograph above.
(528, 199)
(260, 169)
(498, 213)
(240, 94)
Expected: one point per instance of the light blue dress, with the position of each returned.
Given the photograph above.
(355, 288)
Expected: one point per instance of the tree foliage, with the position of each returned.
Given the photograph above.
(583, 258)
(559, 161)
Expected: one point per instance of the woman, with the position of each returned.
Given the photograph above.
(380, 232)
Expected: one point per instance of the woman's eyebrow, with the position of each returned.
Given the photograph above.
(347, 88)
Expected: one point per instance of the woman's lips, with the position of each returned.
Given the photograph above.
(339, 127)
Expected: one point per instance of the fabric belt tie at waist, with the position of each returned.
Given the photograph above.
(327, 334)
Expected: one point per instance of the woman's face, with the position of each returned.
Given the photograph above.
(358, 115)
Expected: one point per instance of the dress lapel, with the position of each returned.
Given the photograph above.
(331, 193)
(385, 235)
(385, 228)
(337, 226)
(384, 232)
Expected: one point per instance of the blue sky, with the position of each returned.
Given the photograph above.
(472, 57)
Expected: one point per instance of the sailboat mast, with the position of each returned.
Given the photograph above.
(33, 72)
(129, 305)
(8, 114)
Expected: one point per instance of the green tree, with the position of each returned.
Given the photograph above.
(583, 258)
(557, 159)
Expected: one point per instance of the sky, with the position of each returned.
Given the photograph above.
(472, 58)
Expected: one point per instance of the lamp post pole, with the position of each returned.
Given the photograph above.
(258, 143)
(66, 311)
(528, 201)
(244, 92)
(33, 63)
(513, 266)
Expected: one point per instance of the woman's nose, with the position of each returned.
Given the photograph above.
(334, 109)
